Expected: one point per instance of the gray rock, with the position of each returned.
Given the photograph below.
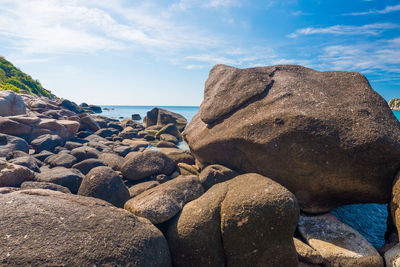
(322, 135)
(69, 178)
(43, 155)
(27, 161)
(338, 243)
(146, 164)
(214, 174)
(137, 189)
(85, 152)
(47, 228)
(86, 165)
(10, 143)
(104, 183)
(161, 203)
(112, 160)
(88, 123)
(14, 175)
(71, 145)
(44, 185)
(16, 154)
(11, 103)
(61, 159)
(46, 142)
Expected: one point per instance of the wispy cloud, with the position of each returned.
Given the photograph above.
(186, 4)
(386, 10)
(300, 13)
(59, 26)
(368, 29)
(382, 55)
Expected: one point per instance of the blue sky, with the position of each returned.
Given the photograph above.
(157, 52)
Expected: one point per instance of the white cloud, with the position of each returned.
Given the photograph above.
(382, 55)
(368, 29)
(186, 4)
(386, 10)
(60, 26)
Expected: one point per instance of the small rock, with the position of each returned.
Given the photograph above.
(61, 159)
(85, 152)
(86, 165)
(44, 185)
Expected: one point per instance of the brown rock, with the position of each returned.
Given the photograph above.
(161, 203)
(247, 221)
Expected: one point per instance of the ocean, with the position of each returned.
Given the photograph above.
(368, 219)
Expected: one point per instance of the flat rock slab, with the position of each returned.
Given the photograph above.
(48, 228)
(161, 203)
(338, 243)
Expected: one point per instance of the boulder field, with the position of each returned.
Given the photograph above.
(269, 147)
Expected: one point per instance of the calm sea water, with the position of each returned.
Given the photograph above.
(368, 219)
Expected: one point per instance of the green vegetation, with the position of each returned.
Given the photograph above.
(394, 103)
(12, 78)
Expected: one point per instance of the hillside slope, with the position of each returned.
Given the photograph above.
(12, 78)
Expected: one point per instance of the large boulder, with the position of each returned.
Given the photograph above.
(47, 228)
(162, 117)
(161, 203)
(338, 243)
(326, 136)
(11, 103)
(104, 183)
(9, 143)
(146, 164)
(246, 221)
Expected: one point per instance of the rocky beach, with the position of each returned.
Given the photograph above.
(272, 151)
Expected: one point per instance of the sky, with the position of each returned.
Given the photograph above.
(154, 52)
